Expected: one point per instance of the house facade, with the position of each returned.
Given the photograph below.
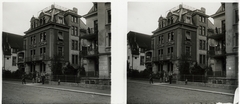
(223, 42)
(138, 45)
(54, 34)
(96, 41)
(11, 45)
(182, 33)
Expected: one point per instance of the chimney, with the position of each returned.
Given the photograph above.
(75, 10)
(203, 10)
(180, 6)
(52, 6)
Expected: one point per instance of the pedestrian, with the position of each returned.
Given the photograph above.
(161, 77)
(151, 78)
(23, 79)
(34, 77)
(43, 77)
(170, 78)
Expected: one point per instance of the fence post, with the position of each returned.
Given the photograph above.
(192, 78)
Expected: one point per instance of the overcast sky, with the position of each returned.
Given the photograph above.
(143, 16)
(16, 15)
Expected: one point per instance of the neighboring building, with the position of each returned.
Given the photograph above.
(96, 41)
(138, 44)
(182, 32)
(223, 42)
(53, 34)
(11, 44)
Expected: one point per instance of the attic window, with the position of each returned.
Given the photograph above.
(60, 20)
(188, 19)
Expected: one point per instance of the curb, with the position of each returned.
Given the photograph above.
(192, 89)
(63, 89)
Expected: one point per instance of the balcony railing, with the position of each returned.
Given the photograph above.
(165, 57)
(37, 58)
(148, 59)
(91, 34)
(219, 33)
(90, 52)
(217, 52)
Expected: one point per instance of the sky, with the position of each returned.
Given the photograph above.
(143, 16)
(16, 15)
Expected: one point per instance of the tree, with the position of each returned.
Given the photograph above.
(184, 65)
(56, 65)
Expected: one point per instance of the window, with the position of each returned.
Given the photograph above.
(161, 52)
(72, 30)
(14, 60)
(76, 31)
(188, 50)
(109, 39)
(74, 45)
(236, 39)
(188, 36)
(142, 60)
(236, 16)
(74, 59)
(72, 18)
(202, 30)
(34, 39)
(60, 51)
(61, 20)
(202, 59)
(202, 44)
(60, 36)
(188, 19)
(96, 26)
(169, 35)
(42, 36)
(172, 36)
(142, 50)
(42, 50)
(109, 16)
(202, 19)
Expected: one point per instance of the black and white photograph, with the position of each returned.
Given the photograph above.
(182, 52)
(56, 52)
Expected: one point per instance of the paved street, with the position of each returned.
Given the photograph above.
(15, 92)
(143, 92)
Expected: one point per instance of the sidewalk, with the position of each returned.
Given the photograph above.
(189, 87)
(65, 88)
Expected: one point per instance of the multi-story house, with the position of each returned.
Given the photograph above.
(96, 41)
(138, 45)
(223, 41)
(54, 34)
(11, 44)
(182, 33)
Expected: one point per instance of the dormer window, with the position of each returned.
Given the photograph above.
(188, 19)
(60, 20)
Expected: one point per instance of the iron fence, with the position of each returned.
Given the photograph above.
(78, 79)
(207, 79)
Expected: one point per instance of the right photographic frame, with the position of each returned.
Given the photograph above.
(182, 52)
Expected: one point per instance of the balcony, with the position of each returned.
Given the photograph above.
(91, 34)
(221, 52)
(164, 57)
(90, 52)
(37, 58)
(219, 34)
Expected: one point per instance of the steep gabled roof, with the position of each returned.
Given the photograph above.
(138, 40)
(10, 40)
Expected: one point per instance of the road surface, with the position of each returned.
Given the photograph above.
(18, 93)
(144, 92)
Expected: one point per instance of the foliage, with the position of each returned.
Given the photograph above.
(56, 65)
(69, 70)
(184, 65)
(15, 74)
